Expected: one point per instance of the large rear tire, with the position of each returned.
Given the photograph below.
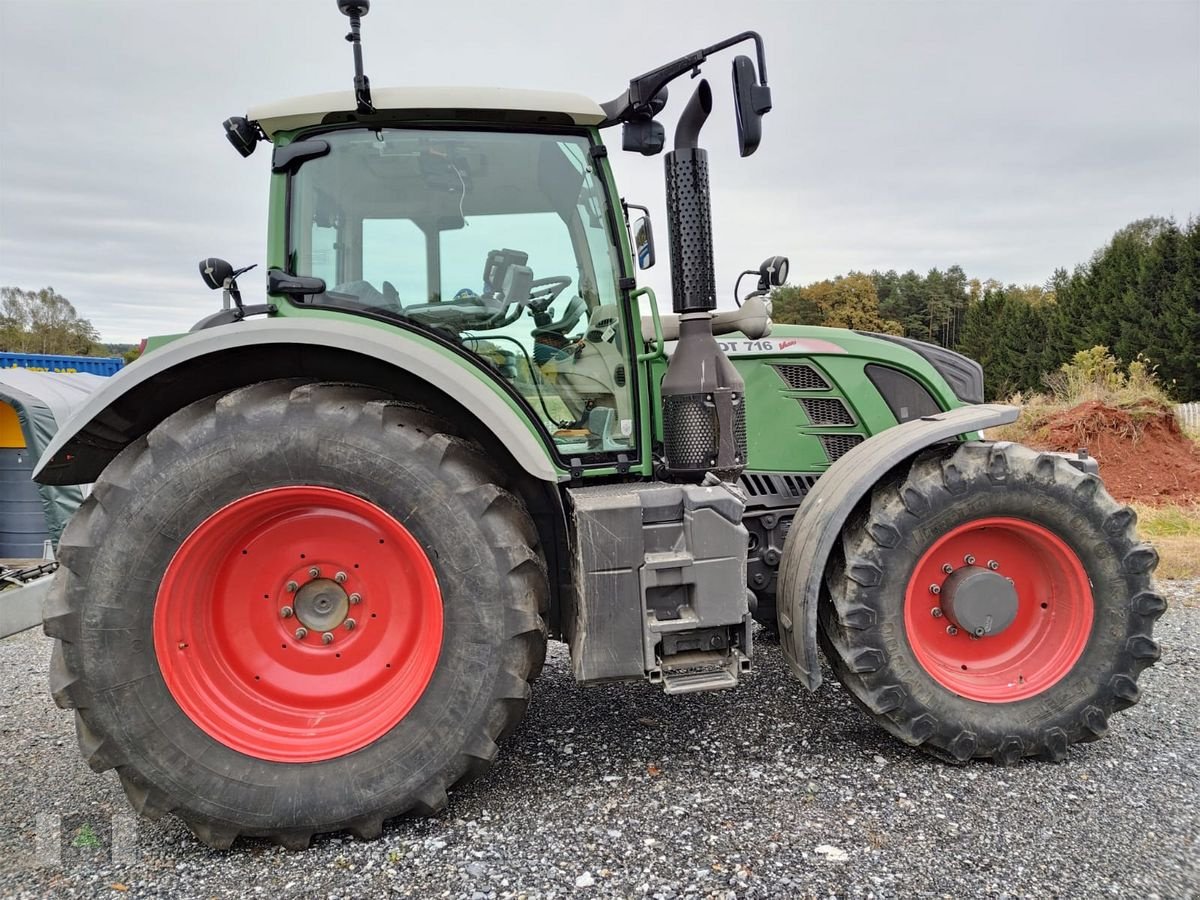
(1024, 550)
(296, 608)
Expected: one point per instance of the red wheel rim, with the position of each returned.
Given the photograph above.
(241, 584)
(1053, 616)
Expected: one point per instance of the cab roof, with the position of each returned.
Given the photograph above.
(468, 103)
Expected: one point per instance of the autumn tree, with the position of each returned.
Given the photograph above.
(848, 301)
(43, 322)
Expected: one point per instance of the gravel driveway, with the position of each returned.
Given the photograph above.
(622, 791)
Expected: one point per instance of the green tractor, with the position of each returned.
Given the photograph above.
(330, 536)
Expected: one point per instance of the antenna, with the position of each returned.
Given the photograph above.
(355, 10)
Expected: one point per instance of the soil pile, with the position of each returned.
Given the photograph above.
(1142, 453)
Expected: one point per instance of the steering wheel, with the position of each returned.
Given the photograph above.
(542, 294)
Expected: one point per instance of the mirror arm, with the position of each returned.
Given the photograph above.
(642, 89)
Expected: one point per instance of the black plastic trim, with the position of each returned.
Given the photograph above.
(963, 374)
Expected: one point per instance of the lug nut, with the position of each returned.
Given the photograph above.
(947, 568)
(935, 589)
(301, 633)
(286, 612)
(349, 623)
(292, 587)
(314, 572)
(993, 565)
(340, 577)
(356, 598)
(327, 637)
(936, 612)
(969, 559)
(979, 632)
(951, 630)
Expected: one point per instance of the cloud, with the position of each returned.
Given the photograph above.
(1010, 139)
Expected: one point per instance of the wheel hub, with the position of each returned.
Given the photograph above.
(322, 605)
(978, 601)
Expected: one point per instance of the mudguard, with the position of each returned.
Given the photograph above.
(818, 522)
(143, 394)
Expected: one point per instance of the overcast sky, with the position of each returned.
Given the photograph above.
(1009, 138)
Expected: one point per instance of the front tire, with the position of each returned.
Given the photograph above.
(1046, 570)
(293, 609)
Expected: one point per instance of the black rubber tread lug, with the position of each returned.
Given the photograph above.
(65, 687)
(1095, 721)
(431, 800)
(1149, 604)
(294, 841)
(1054, 745)
(1142, 647)
(99, 754)
(369, 828)
(1010, 751)
(1125, 691)
(146, 801)
(962, 748)
(1141, 560)
(219, 837)
(59, 619)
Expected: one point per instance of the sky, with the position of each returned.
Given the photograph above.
(1008, 138)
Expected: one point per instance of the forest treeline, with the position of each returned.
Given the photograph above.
(1138, 295)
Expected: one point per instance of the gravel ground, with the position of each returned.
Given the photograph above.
(622, 791)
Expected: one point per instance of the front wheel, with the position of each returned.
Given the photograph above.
(990, 601)
(293, 609)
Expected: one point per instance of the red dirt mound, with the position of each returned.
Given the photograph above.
(1142, 453)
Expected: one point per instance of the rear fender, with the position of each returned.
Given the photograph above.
(230, 356)
(819, 521)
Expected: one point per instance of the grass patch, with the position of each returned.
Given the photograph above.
(1175, 533)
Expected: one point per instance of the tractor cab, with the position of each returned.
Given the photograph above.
(502, 241)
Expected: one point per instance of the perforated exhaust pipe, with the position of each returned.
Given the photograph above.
(704, 418)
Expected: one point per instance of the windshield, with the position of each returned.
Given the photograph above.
(500, 241)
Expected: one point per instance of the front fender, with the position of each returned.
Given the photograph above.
(818, 522)
(229, 356)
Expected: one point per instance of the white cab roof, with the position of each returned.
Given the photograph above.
(299, 112)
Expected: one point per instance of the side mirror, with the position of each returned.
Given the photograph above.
(281, 282)
(215, 272)
(643, 242)
(292, 156)
(751, 101)
(773, 272)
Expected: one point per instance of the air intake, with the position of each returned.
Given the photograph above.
(801, 378)
(838, 445)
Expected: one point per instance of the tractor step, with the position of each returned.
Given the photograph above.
(702, 670)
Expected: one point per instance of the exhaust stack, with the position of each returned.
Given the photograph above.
(704, 417)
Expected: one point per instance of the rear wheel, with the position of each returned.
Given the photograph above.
(294, 609)
(990, 601)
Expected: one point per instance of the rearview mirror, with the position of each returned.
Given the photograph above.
(751, 101)
(281, 282)
(643, 242)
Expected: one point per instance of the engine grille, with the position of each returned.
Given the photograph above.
(826, 411)
(800, 377)
(761, 487)
(838, 445)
